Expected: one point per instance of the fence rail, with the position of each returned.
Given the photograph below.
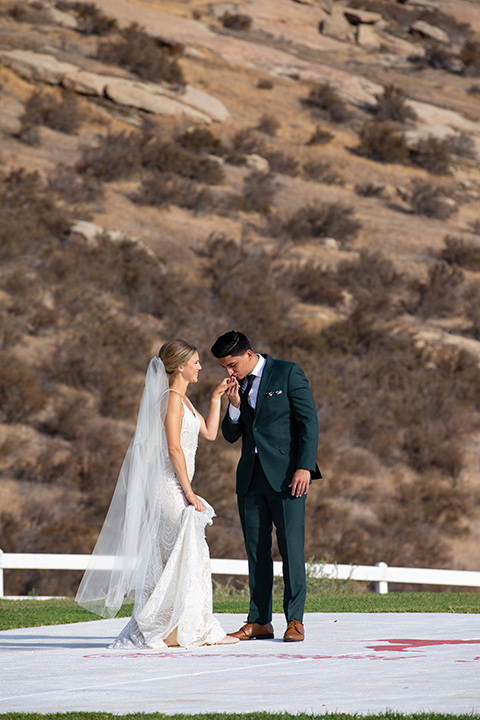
(381, 574)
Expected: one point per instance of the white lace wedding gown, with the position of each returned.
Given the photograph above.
(175, 605)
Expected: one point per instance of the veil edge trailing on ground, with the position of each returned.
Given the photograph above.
(128, 530)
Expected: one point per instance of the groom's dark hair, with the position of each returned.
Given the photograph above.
(231, 343)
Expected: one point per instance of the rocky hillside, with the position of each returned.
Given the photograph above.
(304, 171)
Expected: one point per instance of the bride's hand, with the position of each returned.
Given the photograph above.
(221, 389)
(195, 501)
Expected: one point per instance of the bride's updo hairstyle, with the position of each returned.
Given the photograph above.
(175, 353)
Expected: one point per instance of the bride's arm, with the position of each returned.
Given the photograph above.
(209, 427)
(173, 426)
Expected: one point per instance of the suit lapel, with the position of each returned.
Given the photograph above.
(267, 372)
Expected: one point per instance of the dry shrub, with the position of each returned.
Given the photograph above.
(124, 269)
(429, 446)
(459, 252)
(200, 140)
(320, 136)
(369, 189)
(43, 108)
(21, 390)
(236, 21)
(463, 145)
(372, 279)
(320, 220)
(470, 56)
(472, 309)
(322, 172)
(30, 303)
(382, 142)
(432, 154)
(56, 464)
(162, 189)
(233, 270)
(113, 157)
(438, 56)
(265, 84)
(259, 190)
(440, 294)
(248, 141)
(268, 124)
(387, 393)
(141, 54)
(74, 188)
(474, 226)
(118, 155)
(100, 358)
(32, 224)
(282, 163)
(315, 284)
(90, 20)
(392, 106)
(34, 13)
(324, 97)
(170, 157)
(431, 201)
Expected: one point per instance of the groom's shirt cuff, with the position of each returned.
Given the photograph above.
(234, 413)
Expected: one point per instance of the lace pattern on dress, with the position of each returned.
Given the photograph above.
(174, 604)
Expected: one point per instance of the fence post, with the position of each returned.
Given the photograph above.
(1, 574)
(381, 587)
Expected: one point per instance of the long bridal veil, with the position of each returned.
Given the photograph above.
(120, 558)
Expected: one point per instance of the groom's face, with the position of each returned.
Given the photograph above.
(238, 366)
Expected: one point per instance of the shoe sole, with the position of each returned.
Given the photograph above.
(293, 639)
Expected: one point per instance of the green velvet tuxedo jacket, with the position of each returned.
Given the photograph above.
(284, 427)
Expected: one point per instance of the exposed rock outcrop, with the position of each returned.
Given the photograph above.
(150, 97)
(424, 29)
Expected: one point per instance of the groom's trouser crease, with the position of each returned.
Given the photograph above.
(259, 509)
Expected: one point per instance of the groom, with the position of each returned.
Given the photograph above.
(272, 409)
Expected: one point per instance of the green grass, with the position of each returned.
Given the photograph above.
(233, 716)
(33, 613)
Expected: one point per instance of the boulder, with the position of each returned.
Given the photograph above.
(368, 37)
(361, 17)
(149, 97)
(257, 162)
(36, 67)
(424, 29)
(64, 19)
(88, 231)
(201, 101)
(336, 26)
(86, 83)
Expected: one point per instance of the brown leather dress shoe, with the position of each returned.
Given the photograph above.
(251, 631)
(294, 632)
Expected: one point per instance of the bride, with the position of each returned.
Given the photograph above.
(154, 531)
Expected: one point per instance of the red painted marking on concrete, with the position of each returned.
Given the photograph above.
(412, 644)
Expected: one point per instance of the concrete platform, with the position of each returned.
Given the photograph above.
(351, 663)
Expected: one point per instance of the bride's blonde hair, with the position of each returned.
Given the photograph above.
(174, 353)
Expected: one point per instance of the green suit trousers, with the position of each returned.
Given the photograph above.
(259, 509)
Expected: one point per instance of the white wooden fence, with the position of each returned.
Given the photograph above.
(381, 574)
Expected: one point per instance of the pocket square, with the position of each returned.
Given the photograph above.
(273, 392)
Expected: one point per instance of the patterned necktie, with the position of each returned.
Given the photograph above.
(246, 391)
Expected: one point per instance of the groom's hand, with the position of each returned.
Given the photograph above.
(233, 392)
(300, 482)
